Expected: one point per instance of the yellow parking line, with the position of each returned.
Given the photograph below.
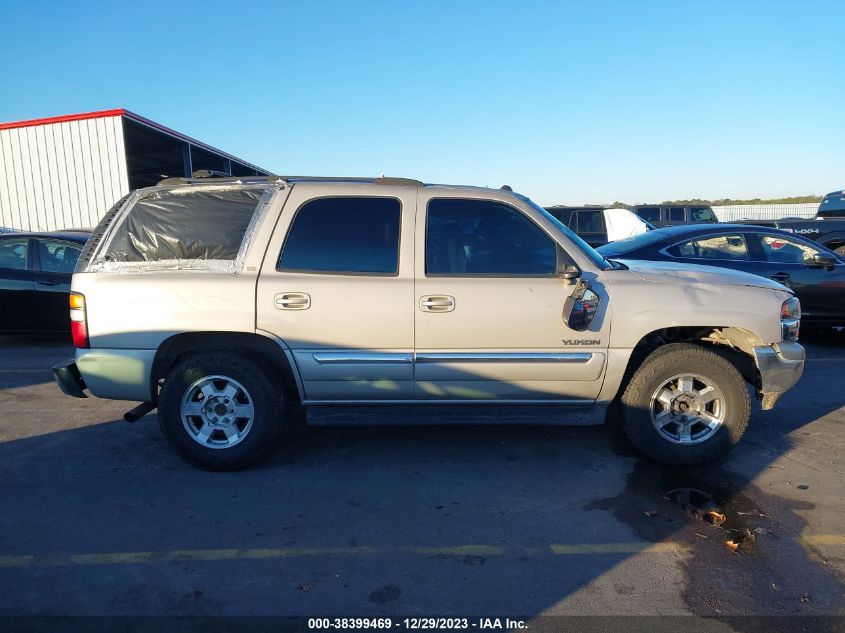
(824, 539)
(616, 548)
(558, 549)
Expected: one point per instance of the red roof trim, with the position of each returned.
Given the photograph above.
(123, 112)
(62, 119)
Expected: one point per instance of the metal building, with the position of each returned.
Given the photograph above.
(66, 171)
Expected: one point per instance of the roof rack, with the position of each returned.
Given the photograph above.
(204, 177)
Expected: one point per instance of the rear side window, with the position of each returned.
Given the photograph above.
(482, 237)
(344, 235)
(676, 214)
(184, 224)
(649, 214)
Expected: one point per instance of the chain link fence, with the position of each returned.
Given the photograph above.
(733, 213)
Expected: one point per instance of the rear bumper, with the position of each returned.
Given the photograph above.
(780, 367)
(69, 379)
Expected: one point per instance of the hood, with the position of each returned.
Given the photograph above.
(693, 273)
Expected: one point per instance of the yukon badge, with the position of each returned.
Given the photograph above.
(581, 341)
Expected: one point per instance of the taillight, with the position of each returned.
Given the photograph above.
(78, 320)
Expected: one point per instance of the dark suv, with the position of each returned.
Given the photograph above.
(661, 215)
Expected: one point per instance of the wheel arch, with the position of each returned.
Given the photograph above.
(261, 347)
(734, 343)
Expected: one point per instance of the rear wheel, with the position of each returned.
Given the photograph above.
(685, 405)
(220, 411)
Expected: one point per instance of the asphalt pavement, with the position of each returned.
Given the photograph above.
(100, 518)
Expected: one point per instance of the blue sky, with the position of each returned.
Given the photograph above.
(567, 102)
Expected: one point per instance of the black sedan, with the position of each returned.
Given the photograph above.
(815, 273)
(35, 274)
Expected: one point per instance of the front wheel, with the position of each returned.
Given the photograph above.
(685, 405)
(220, 411)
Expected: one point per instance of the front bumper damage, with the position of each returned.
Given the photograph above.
(780, 366)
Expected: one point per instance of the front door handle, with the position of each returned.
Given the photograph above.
(48, 282)
(437, 303)
(292, 301)
(780, 277)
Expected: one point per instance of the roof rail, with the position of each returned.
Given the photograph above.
(205, 177)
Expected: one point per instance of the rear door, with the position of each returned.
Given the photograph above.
(17, 296)
(489, 309)
(54, 262)
(337, 287)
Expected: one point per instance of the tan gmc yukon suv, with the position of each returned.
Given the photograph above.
(237, 306)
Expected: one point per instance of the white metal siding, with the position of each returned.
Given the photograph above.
(61, 175)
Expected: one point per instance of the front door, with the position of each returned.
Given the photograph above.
(337, 287)
(489, 309)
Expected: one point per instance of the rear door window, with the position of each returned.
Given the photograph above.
(730, 247)
(13, 253)
(590, 222)
(649, 214)
(676, 214)
(58, 256)
(352, 235)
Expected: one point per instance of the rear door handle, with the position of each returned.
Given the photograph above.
(292, 301)
(780, 277)
(48, 283)
(437, 303)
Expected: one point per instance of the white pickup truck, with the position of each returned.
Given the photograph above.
(229, 303)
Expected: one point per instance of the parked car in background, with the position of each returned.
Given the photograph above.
(599, 225)
(815, 273)
(35, 275)
(661, 215)
(829, 233)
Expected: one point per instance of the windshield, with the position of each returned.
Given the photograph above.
(588, 250)
(620, 247)
(833, 206)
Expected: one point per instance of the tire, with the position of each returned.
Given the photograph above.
(234, 410)
(676, 379)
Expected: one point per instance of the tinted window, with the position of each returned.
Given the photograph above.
(590, 222)
(786, 251)
(13, 253)
(676, 214)
(478, 237)
(649, 214)
(58, 257)
(701, 214)
(344, 235)
(716, 247)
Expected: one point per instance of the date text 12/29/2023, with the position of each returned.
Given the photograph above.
(417, 624)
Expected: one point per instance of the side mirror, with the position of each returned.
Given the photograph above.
(820, 260)
(569, 272)
(580, 308)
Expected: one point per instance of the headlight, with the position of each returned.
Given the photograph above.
(790, 319)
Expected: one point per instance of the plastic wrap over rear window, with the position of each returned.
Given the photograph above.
(184, 224)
